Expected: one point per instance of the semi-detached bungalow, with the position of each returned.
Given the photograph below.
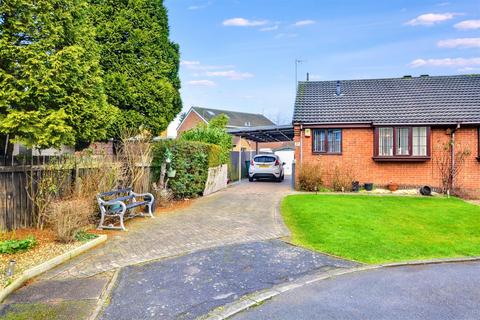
(391, 130)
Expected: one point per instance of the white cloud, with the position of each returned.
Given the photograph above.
(230, 74)
(242, 22)
(196, 65)
(272, 28)
(286, 35)
(189, 63)
(446, 62)
(468, 69)
(468, 24)
(202, 83)
(303, 23)
(429, 19)
(200, 6)
(460, 43)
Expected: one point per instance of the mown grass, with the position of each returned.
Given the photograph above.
(376, 229)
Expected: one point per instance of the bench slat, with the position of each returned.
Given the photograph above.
(113, 192)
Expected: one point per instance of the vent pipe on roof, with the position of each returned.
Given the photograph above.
(339, 88)
(308, 76)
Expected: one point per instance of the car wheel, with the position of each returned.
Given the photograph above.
(283, 177)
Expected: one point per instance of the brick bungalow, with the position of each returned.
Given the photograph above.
(391, 130)
(236, 120)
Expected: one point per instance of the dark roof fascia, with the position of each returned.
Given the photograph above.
(371, 125)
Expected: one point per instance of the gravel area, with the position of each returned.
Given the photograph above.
(46, 249)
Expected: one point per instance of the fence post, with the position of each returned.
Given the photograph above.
(240, 159)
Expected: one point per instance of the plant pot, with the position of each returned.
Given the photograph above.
(171, 173)
(393, 187)
(426, 191)
(355, 186)
(368, 186)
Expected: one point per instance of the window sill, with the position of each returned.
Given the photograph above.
(327, 153)
(400, 159)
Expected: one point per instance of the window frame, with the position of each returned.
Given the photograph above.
(395, 156)
(325, 143)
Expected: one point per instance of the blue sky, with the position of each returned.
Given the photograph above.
(240, 54)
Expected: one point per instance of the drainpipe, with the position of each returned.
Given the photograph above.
(452, 156)
(301, 145)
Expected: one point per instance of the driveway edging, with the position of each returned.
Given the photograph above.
(49, 264)
(256, 298)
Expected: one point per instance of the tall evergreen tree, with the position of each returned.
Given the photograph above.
(51, 90)
(139, 62)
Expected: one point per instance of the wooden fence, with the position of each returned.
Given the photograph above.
(17, 183)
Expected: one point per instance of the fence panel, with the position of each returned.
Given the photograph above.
(234, 160)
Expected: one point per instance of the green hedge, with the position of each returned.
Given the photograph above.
(191, 160)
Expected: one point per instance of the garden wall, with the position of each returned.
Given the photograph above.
(216, 180)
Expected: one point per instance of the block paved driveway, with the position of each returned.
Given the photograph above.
(241, 213)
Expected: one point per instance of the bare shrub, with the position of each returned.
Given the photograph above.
(310, 177)
(448, 170)
(342, 178)
(68, 216)
(46, 185)
(135, 155)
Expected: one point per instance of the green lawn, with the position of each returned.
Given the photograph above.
(375, 229)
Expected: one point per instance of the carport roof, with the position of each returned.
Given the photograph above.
(273, 133)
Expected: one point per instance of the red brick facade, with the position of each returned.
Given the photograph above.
(190, 122)
(358, 150)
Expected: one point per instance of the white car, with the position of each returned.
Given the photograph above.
(266, 166)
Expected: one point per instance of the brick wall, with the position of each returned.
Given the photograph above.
(191, 121)
(357, 152)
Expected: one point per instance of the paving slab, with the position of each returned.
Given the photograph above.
(60, 290)
(192, 285)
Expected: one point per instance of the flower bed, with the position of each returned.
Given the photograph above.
(45, 249)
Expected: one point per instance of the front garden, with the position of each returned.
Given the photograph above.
(379, 229)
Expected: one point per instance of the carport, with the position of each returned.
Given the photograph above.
(276, 133)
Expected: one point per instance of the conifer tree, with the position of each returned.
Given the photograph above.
(139, 62)
(51, 90)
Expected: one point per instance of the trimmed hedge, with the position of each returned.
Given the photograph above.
(191, 160)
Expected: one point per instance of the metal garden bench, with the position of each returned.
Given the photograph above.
(121, 203)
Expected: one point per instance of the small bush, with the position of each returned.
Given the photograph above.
(67, 217)
(83, 236)
(310, 177)
(342, 178)
(213, 133)
(190, 159)
(14, 246)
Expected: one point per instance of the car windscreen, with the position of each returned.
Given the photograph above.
(264, 159)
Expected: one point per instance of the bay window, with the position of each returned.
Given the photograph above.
(402, 143)
(327, 141)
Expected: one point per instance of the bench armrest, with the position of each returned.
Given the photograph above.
(143, 195)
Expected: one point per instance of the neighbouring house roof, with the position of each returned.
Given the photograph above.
(408, 100)
(235, 119)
